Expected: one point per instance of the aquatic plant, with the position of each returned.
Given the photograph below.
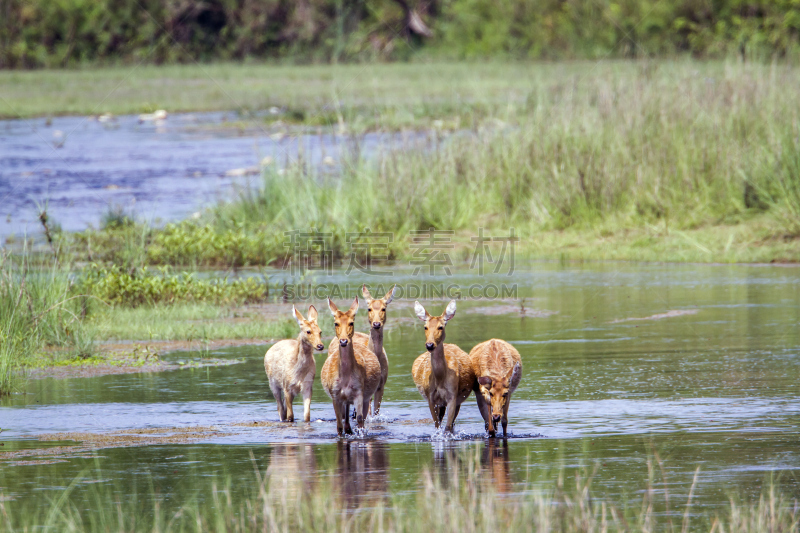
(462, 498)
(135, 287)
(38, 311)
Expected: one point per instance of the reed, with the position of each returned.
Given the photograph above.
(458, 500)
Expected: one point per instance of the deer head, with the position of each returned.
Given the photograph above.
(434, 325)
(309, 330)
(376, 308)
(495, 391)
(344, 322)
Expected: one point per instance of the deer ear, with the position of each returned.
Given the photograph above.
(486, 381)
(332, 307)
(450, 312)
(354, 307)
(516, 374)
(297, 316)
(365, 293)
(420, 311)
(312, 313)
(390, 295)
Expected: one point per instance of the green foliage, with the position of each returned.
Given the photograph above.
(137, 287)
(37, 33)
(38, 311)
(116, 217)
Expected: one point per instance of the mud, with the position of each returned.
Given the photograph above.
(134, 358)
(660, 316)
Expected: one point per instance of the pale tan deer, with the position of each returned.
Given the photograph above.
(376, 317)
(290, 366)
(498, 369)
(351, 375)
(444, 374)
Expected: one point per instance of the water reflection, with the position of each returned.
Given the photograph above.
(453, 462)
(496, 466)
(292, 470)
(362, 472)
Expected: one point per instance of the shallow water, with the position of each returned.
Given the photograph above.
(160, 171)
(697, 362)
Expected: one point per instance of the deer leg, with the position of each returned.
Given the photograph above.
(442, 409)
(452, 412)
(337, 408)
(376, 401)
(483, 407)
(307, 390)
(364, 409)
(278, 393)
(288, 397)
(434, 414)
(505, 415)
(347, 428)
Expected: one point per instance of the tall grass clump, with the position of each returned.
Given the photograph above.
(459, 500)
(38, 311)
(679, 145)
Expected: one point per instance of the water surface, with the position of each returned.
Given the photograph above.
(698, 363)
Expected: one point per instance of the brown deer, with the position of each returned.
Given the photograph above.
(351, 375)
(444, 374)
(498, 369)
(376, 317)
(290, 366)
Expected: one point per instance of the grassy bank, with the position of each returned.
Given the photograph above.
(685, 161)
(464, 498)
(55, 314)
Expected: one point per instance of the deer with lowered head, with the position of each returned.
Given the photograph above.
(290, 366)
(352, 374)
(498, 369)
(444, 374)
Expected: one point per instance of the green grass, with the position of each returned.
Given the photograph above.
(198, 321)
(403, 93)
(55, 314)
(654, 160)
(37, 310)
(462, 499)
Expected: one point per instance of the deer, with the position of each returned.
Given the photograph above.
(350, 375)
(376, 317)
(443, 374)
(290, 366)
(498, 370)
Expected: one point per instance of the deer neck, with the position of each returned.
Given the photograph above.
(438, 362)
(376, 341)
(302, 352)
(347, 360)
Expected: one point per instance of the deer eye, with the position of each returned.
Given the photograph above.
(336, 324)
(426, 328)
(383, 310)
(440, 328)
(350, 324)
(505, 395)
(308, 332)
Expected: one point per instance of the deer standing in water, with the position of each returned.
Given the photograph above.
(376, 317)
(498, 369)
(351, 375)
(290, 366)
(444, 374)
